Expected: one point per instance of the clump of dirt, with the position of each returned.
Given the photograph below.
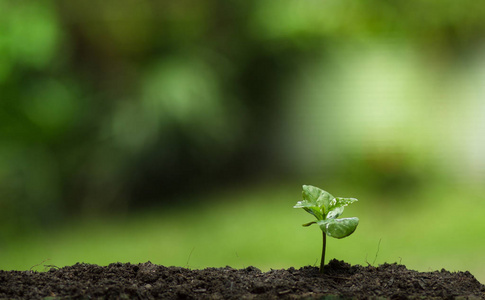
(149, 281)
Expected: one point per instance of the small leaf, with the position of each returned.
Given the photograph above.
(309, 223)
(317, 196)
(315, 201)
(339, 201)
(335, 213)
(310, 208)
(339, 228)
(337, 206)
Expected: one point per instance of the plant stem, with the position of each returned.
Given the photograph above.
(322, 262)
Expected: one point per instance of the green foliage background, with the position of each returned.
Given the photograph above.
(158, 130)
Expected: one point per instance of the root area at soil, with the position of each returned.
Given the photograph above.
(150, 281)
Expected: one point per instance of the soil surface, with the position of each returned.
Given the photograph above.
(149, 281)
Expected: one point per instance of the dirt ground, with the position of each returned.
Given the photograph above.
(150, 281)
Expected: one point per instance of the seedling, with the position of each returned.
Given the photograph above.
(327, 208)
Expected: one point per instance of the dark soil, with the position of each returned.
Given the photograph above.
(149, 281)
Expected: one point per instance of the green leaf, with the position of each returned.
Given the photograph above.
(339, 228)
(339, 201)
(309, 223)
(310, 208)
(315, 201)
(336, 207)
(317, 196)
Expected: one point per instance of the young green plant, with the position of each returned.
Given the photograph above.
(327, 208)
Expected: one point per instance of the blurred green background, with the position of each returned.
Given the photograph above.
(180, 132)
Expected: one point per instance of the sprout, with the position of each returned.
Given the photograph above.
(327, 208)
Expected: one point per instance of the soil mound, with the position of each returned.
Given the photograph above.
(149, 281)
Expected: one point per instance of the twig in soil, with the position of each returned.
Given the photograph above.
(375, 258)
(315, 263)
(378, 246)
(188, 258)
(38, 264)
